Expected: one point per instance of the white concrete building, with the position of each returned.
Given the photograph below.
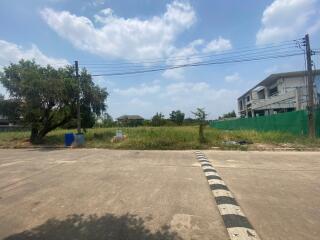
(282, 92)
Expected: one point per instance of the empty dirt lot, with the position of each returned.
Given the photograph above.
(108, 194)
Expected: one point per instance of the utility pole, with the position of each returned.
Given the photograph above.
(78, 100)
(310, 86)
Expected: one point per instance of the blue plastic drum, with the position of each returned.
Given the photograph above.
(68, 139)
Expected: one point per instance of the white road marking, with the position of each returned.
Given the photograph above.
(241, 233)
(222, 193)
(211, 174)
(230, 209)
(216, 181)
(208, 167)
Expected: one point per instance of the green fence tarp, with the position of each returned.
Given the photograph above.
(292, 122)
(318, 123)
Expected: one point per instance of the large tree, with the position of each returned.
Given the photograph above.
(10, 109)
(47, 97)
(158, 120)
(229, 115)
(177, 117)
(201, 116)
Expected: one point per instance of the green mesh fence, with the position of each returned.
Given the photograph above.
(318, 122)
(293, 122)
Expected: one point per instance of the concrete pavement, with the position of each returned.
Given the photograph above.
(102, 194)
(278, 191)
(109, 194)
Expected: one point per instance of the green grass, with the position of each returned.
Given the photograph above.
(164, 138)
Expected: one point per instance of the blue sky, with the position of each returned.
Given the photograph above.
(58, 32)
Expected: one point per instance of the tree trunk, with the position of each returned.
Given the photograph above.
(46, 125)
(38, 135)
(201, 134)
(34, 138)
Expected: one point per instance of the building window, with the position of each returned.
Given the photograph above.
(261, 94)
(248, 98)
(240, 104)
(273, 91)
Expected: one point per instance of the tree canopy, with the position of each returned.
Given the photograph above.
(177, 117)
(229, 115)
(201, 115)
(46, 98)
(158, 120)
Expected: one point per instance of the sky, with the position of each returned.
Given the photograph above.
(116, 32)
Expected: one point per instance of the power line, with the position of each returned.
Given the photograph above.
(140, 68)
(125, 67)
(193, 56)
(236, 57)
(134, 67)
(198, 64)
(294, 42)
(273, 51)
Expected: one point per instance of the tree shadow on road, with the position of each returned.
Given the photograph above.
(107, 227)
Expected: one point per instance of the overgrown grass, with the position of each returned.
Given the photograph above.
(164, 138)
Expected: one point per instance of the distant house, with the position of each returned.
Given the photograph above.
(130, 120)
(6, 125)
(4, 121)
(282, 92)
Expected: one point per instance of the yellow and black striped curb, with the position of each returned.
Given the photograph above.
(237, 224)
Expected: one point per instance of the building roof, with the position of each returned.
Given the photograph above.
(273, 77)
(130, 117)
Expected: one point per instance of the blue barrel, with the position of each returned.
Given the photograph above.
(79, 139)
(68, 139)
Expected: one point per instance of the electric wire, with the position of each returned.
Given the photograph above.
(169, 59)
(198, 64)
(285, 49)
(194, 59)
(295, 43)
(233, 58)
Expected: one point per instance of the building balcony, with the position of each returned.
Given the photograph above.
(277, 101)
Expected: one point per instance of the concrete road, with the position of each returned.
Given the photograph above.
(278, 191)
(107, 194)
(103, 194)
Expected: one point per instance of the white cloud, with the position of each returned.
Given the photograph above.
(178, 56)
(232, 78)
(176, 89)
(183, 95)
(285, 20)
(141, 90)
(134, 39)
(271, 70)
(217, 45)
(314, 28)
(286, 66)
(190, 95)
(12, 53)
(96, 3)
(93, 4)
(127, 38)
(136, 102)
(104, 81)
